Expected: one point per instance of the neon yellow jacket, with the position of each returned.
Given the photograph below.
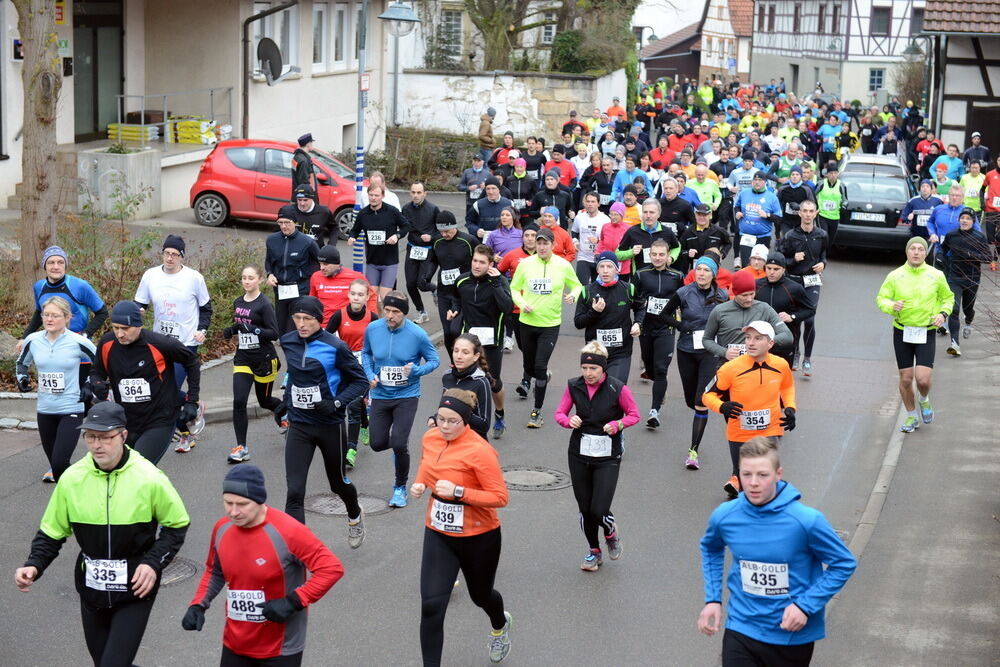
(540, 285)
(925, 291)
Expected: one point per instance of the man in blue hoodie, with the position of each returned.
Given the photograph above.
(778, 589)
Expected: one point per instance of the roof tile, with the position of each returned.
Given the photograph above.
(955, 16)
(670, 41)
(741, 16)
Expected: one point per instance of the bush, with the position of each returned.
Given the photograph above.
(222, 268)
(435, 158)
(566, 53)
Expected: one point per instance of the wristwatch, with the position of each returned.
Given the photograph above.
(337, 404)
(458, 492)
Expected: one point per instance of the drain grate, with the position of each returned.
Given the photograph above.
(535, 478)
(330, 504)
(178, 570)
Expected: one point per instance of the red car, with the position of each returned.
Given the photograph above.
(252, 179)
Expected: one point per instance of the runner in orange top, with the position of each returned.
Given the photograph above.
(755, 392)
(462, 472)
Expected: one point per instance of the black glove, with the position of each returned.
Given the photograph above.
(86, 393)
(228, 332)
(281, 609)
(100, 389)
(23, 384)
(279, 413)
(248, 328)
(327, 407)
(788, 421)
(194, 619)
(731, 409)
(189, 412)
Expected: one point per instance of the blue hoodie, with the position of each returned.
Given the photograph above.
(777, 545)
(385, 347)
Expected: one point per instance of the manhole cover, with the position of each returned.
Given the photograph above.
(330, 504)
(534, 478)
(178, 570)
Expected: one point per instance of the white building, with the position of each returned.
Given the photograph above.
(726, 33)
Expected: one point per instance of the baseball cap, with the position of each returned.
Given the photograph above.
(304, 192)
(104, 416)
(703, 209)
(761, 327)
(546, 234)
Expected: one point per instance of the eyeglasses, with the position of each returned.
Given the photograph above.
(171, 254)
(449, 422)
(92, 438)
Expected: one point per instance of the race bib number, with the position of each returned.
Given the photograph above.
(392, 376)
(606, 199)
(51, 383)
(305, 398)
(106, 574)
(764, 579)
(829, 205)
(485, 335)
(996, 202)
(645, 256)
(915, 335)
(813, 280)
(288, 292)
(540, 285)
(595, 445)
(519, 204)
(672, 226)
(249, 341)
(245, 606)
(357, 355)
(419, 253)
(172, 329)
(376, 237)
(698, 339)
(610, 337)
(655, 305)
(134, 390)
(449, 277)
(972, 193)
(922, 219)
(748, 240)
(533, 173)
(739, 347)
(447, 517)
(475, 194)
(755, 420)
(789, 210)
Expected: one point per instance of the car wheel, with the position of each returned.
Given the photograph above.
(344, 220)
(211, 209)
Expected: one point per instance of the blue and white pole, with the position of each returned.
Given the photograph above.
(358, 251)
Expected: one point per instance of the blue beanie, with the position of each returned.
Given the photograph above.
(608, 256)
(710, 263)
(247, 481)
(54, 251)
(553, 210)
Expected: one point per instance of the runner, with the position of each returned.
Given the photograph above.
(332, 283)
(724, 329)
(471, 372)
(62, 361)
(919, 300)
(290, 260)
(395, 355)
(655, 286)
(507, 266)
(383, 226)
(806, 247)
(484, 215)
(755, 392)
(831, 200)
(778, 585)
(965, 249)
(604, 408)
(507, 236)
(482, 305)
(127, 538)
(586, 231)
(462, 529)
(918, 210)
(255, 363)
(788, 298)
(182, 309)
(563, 244)
(323, 379)
(421, 216)
(790, 196)
(991, 208)
(541, 284)
(449, 257)
(137, 367)
(701, 236)
(637, 241)
(756, 210)
(311, 218)
(261, 555)
(604, 312)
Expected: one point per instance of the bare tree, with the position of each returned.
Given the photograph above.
(908, 81)
(501, 23)
(41, 75)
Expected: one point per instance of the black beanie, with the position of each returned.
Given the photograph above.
(247, 481)
(175, 243)
(309, 305)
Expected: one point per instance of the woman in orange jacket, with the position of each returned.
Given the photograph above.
(462, 530)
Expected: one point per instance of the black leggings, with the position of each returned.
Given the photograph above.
(449, 328)
(153, 442)
(965, 300)
(282, 311)
(537, 345)
(477, 557)
(697, 369)
(657, 353)
(411, 270)
(807, 326)
(242, 382)
(113, 635)
(586, 271)
(738, 650)
(594, 484)
(620, 364)
(230, 659)
(357, 418)
(300, 446)
(391, 421)
(59, 437)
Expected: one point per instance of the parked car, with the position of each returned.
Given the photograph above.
(875, 196)
(252, 179)
(883, 165)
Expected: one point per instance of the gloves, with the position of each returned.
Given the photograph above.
(86, 393)
(281, 609)
(228, 332)
(731, 409)
(189, 412)
(194, 619)
(279, 413)
(248, 328)
(788, 421)
(100, 389)
(327, 407)
(23, 384)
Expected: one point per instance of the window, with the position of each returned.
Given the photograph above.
(876, 79)
(450, 30)
(821, 20)
(357, 34)
(708, 46)
(917, 21)
(760, 18)
(549, 31)
(835, 20)
(244, 158)
(282, 28)
(278, 162)
(340, 35)
(771, 14)
(881, 20)
(797, 17)
(321, 36)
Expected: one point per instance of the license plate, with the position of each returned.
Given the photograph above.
(868, 217)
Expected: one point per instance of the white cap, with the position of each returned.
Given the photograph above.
(761, 327)
(976, 134)
(760, 250)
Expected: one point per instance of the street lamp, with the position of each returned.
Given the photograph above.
(400, 21)
(397, 16)
(914, 54)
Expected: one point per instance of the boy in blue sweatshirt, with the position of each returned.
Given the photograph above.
(778, 589)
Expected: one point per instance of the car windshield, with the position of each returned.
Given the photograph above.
(335, 167)
(876, 189)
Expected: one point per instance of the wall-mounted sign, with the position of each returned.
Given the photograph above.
(17, 54)
(60, 12)
(64, 51)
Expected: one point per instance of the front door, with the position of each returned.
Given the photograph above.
(98, 72)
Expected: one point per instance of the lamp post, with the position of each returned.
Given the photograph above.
(914, 54)
(397, 15)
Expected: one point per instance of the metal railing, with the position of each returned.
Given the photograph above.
(217, 102)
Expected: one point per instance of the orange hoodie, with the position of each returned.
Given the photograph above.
(563, 245)
(470, 462)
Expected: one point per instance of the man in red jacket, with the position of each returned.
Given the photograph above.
(332, 283)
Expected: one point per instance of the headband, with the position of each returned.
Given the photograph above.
(461, 407)
(395, 302)
(593, 359)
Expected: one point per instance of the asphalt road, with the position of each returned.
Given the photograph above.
(640, 610)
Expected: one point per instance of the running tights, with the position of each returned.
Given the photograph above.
(391, 421)
(113, 635)
(537, 345)
(965, 300)
(619, 365)
(738, 650)
(411, 272)
(230, 659)
(300, 445)
(153, 442)
(657, 353)
(809, 326)
(242, 382)
(477, 557)
(59, 437)
(594, 484)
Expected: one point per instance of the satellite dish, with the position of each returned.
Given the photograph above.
(269, 56)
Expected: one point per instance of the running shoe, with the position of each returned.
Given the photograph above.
(523, 388)
(356, 531)
(185, 443)
(197, 425)
(692, 460)
(350, 458)
(398, 497)
(592, 560)
(926, 411)
(967, 331)
(953, 349)
(363, 435)
(795, 362)
(910, 424)
(644, 376)
(48, 477)
(732, 487)
(500, 641)
(238, 454)
(508, 343)
(654, 419)
(942, 331)
(807, 367)
(422, 317)
(535, 420)
(993, 266)
(614, 543)
(499, 426)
